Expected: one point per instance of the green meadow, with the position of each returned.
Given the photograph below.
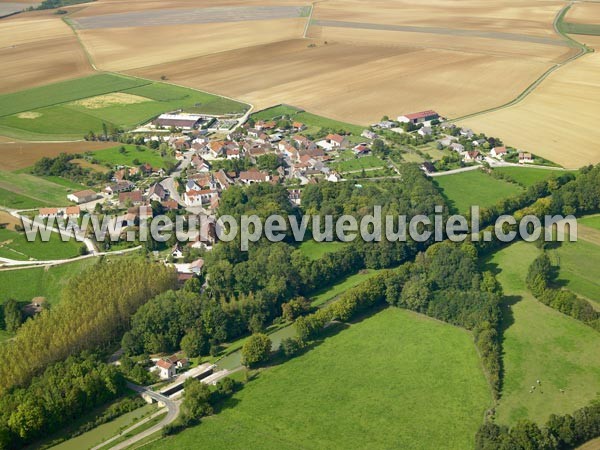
(540, 343)
(528, 176)
(393, 380)
(14, 245)
(132, 156)
(58, 111)
(474, 188)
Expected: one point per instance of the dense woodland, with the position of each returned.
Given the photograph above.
(94, 311)
(61, 394)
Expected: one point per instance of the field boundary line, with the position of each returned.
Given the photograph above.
(583, 50)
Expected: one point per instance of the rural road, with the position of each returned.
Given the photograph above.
(173, 412)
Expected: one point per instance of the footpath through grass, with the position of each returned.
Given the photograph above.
(394, 380)
(541, 344)
(474, 188)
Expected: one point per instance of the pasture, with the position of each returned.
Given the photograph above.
(48, 282)
(134, 155)
(527, 176)
(466, 189)
(357, 164)
(329, 293)
(541, 344)
(580, 268)
(14, 245)
(354, 389)
(23, 191)
(71, 109)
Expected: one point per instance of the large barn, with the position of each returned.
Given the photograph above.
(183, 121)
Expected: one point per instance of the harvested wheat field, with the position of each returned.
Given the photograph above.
(508, 16)
(18, 155)
(37, 49)
(119, 48)
(587, 13)
(8, 221)
(559, 119)
(356, 83)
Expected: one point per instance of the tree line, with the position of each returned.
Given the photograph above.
(541, 277)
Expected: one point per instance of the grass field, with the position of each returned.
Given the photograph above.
(365, 162)
(14, 245)
(72, 108)
(474, 188)
(382, 383)
(103, 432)
(580, 268)
(527, 176)
(541, 343)
(324, 295)
(580, 28)
(24, 284)
(35, 191)
(316, 250)
(275, 112)
(114, 157)
(590, 221)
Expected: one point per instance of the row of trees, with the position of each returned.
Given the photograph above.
(560, 432)
(94, 311)
(541, 278)
(60, 395)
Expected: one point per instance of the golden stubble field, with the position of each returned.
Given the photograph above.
(588, 13)
(356, 82)
(559, 120)
(38, 48)
(18, 155)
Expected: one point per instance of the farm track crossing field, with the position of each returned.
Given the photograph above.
(379, 384)
(25, 284)
(570, 97)
(466, 189)
(541, 344)
(14, 245)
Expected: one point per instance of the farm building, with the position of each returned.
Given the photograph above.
(419, 117)
(183, 121)
(82, 196)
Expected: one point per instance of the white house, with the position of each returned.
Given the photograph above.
(199, 198)
(166, 370)
(332, 141)
(459, 148)
(525, 158)
(498, 152)
(369, 134)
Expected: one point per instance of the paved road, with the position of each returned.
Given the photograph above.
(451, 172)
(173, 412)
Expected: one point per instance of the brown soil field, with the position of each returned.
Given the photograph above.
(19, 155)
(37, 49)
(588, 13)
(119, 48)
(8, 220)
(497, 47)
(357, 83)
(513, 16)
(559, 119)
